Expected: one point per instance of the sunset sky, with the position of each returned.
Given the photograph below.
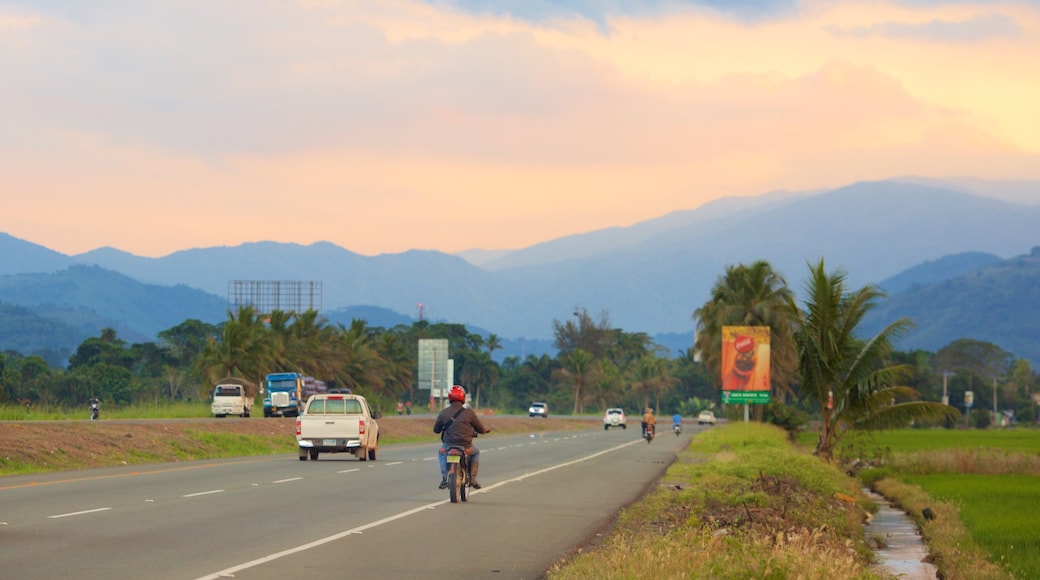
(384, 126)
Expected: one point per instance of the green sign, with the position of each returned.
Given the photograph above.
(752, 397)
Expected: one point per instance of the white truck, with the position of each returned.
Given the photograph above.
(338, 423)
(233, 396)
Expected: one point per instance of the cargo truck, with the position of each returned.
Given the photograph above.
(286, 393)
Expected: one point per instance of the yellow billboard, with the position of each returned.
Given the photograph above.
(745, 358)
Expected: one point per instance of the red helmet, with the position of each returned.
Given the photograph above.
(457, 393)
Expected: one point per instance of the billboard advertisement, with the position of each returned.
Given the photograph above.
(745, 361)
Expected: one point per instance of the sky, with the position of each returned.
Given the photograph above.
(154, 127)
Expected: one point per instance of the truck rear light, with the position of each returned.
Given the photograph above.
(298, 427)
(361, 426)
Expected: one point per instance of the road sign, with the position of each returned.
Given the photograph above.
(752, 397)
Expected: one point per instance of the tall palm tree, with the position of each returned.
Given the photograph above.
(851, 378)
(649, 376)
(578, 369)
(398, 365)
(752, 295)
(493, 343)
(479, 370)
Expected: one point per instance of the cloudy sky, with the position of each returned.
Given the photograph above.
(385, 126)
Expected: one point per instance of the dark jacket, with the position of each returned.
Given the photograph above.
(459, 432)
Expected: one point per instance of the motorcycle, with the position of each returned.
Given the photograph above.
(649, 433)
(95, 410)
(458, 473)
(677, 427)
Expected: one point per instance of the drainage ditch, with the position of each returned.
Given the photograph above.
(900, 549)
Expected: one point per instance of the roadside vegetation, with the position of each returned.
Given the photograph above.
(741, 502)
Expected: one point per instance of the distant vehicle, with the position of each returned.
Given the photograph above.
(706, 417)
(615, 417)
(538, 410)
(233, 396)
(286, 393)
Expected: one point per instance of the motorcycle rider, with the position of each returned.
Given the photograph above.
(677, 422)
(95, 407)
(457, 424)
(649, 422)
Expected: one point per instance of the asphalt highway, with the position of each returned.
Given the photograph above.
(277, 517)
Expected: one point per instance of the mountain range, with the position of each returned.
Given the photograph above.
(905, 235)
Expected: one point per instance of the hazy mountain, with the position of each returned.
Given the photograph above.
(26, 331)
(999, 303)
(607, 241)
(19, 256)
(649, 277)
(91, 298)
(939, 270)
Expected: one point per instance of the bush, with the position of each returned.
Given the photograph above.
(787, 417)
(981, 419)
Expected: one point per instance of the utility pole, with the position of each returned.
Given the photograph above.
(946, 397)
(996, 417)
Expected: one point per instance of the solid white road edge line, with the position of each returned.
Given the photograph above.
(229, 572)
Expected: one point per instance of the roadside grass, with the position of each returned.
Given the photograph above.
(740, 502)
(175, 410)
(1000, 511)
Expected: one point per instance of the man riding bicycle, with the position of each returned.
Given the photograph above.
(458, 424)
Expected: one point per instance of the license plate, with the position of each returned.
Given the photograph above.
(454, 458)
(329, 442)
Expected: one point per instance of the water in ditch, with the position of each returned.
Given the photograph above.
(901, 548)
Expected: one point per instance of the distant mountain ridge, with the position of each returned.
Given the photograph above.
(649, 277)
(998, 303)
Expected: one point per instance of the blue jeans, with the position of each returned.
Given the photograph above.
(442, 458)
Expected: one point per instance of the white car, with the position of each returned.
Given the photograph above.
(614, 417)
(538, 410)
(706, 417)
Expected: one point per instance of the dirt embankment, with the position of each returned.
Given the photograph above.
(61, 445)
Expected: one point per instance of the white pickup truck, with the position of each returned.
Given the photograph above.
(337, 423)
(233, 396)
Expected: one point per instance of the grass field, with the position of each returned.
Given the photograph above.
(1000, 511)
(880, 443)
(990, 478)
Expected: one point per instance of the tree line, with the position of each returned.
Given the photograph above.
(820, 366)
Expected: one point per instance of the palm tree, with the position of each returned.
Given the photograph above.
(752, 295)
(578, 369)
(493, 343)
(479, 370)
(398, 365)
(650, 376)
(360, 362)
(852, 378)
(242, 349)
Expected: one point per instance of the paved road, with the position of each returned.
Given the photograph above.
(278, 517)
